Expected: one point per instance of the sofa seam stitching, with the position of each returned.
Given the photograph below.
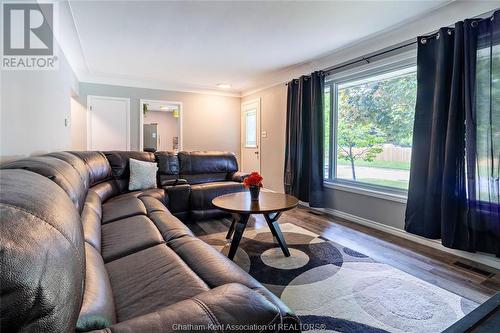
(205, 308)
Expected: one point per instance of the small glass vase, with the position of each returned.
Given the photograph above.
(254, 192)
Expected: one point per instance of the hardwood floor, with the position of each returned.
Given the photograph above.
(431, 265)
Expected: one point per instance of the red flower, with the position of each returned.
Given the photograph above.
(254, 179)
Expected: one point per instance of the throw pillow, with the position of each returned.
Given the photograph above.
(142, 175)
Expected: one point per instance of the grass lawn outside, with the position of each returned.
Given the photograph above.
(378, 164)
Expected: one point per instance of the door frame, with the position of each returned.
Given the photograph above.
(89, 118)
(143, 101)
(259, 129)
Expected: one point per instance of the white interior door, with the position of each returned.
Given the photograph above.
(108, 123)
(250, 136)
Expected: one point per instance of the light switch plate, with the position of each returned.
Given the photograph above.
(264, 134)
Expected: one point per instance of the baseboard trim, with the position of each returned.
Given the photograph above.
(484, 259)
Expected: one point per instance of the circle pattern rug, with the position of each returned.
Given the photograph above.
(339, 289)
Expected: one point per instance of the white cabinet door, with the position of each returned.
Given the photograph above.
(108, 123)
(250, 136)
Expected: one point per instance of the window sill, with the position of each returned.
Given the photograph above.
(367, 192)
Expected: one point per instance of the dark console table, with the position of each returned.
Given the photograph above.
(270, 204)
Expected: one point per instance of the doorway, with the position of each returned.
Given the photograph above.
(250, 136)
(160, 125)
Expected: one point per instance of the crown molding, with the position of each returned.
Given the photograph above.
(147, 84)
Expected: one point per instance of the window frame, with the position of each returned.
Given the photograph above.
(401, 61)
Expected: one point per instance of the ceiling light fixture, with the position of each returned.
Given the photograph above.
(223, 86)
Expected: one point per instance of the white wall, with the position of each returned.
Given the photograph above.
(209, 122)
(34, 106)
(78, 125)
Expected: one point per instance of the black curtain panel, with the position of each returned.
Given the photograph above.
(453, 192)
(304, 163)
(483, 136)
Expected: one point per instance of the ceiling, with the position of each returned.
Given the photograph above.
(197, 45)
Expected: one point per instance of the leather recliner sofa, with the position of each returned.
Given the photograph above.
(192, 179)
(80, 252)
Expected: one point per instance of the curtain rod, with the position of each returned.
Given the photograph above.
(367, 58)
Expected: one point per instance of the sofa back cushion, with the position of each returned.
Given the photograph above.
(206, 166)
(120, 162)
(168, 167)
(97, 164)
(60, 172)
(43, 261)
(77, 163)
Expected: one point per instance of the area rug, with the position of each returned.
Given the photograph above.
(335, 289)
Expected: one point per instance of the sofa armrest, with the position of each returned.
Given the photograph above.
(178, 197)
(230, 307)
(238, 176)
(173, 182)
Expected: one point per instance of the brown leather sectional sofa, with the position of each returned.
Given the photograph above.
(80, 252)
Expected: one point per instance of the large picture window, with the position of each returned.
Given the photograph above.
(369, 127)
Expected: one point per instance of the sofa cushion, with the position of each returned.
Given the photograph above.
(210, 264)
(123, 237)
(202, 178)
(91, 220)
(216, 270)
(60, 172)
(152, 203)
(157, 193)
(168, 167)
(77, 163)
(148, 280)
(121, 208)
(202, 194)
(142, 175)
(43, 263)
(169, 226)
(119, 161)
(228, 308)
(196, 162)
(98, 165)
(98, 306)
(108, 189)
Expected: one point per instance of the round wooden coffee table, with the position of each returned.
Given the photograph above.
(270, 204)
